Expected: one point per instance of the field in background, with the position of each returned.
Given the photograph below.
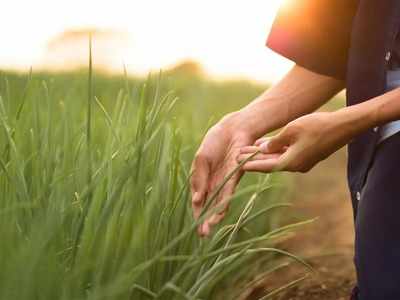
(94, 190)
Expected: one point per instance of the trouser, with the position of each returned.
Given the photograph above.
(377, 226)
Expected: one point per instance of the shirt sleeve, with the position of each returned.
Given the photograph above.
(315, 34)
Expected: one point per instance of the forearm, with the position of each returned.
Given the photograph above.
(374, 112)
(310, 139)
(299, 92)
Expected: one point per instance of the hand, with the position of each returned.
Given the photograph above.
(300, 145)
(214, 160)
(216, 157)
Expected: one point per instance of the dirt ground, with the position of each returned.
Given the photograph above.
(326, 244)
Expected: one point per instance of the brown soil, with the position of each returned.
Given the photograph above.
(327, 244)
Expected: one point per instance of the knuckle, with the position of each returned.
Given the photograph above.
(195, 198)
(221, 215)
(224, 206)
(193, 179)
(198, 161)
(200, 158)
(294, 166)
(303, 168)
(293, 128)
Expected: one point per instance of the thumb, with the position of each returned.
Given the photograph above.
(277, 143)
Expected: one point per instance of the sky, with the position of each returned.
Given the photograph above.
(226, 36)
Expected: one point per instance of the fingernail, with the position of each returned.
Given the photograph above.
(206, 229)
(199, 230)
(196, 197)
(264, 146)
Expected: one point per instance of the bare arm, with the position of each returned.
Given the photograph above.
(375, 112)
(299, 92)
(307, 140)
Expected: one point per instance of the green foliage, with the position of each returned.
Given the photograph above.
(94, 191)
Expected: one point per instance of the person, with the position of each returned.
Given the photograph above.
(335, 44)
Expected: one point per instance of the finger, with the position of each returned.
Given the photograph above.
(285, 162)
(221, 204)
(276, 143)
(199, 183)
(229, 189)
(259, 156)
(204, 229)
(198, 200)
(249, 149)
(282, 163)
(216, 218)
(222, 207)
(261, 140)
(265, 166)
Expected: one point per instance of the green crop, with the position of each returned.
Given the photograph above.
(95, 201)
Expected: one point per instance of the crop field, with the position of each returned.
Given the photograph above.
(95, 201)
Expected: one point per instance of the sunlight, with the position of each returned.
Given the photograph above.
(226, 37)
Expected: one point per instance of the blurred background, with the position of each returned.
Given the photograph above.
(215, 61)
(226, 38)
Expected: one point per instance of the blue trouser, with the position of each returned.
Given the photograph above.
(377, 226)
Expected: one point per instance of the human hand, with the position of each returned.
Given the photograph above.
(214, 160)
(300, 145)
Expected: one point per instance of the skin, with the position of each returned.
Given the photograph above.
(298, 93)
(304, 142)
(306, 138)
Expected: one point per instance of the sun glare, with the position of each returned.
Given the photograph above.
(226, 37)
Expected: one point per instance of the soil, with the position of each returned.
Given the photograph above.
(327, 244)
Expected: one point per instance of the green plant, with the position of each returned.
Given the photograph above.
(95, 202)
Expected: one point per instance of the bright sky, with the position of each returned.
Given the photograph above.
(226, 36)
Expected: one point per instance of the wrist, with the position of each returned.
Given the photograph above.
(263, 116)
(246, 122)
(355, 119)
(235, 123)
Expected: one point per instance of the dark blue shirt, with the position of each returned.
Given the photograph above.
(352, 40)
